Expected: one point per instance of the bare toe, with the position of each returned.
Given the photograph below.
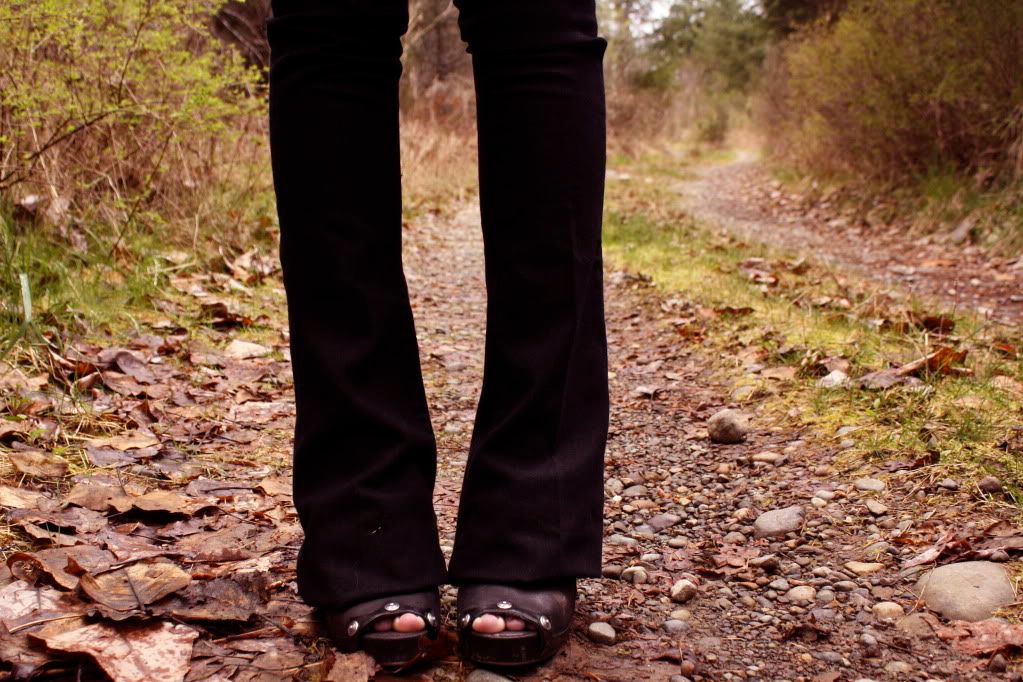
(489, 624)
(383, 625)
(515, 625)
(409, 622)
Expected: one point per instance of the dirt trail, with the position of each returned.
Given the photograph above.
(740, 196)
(678, 508)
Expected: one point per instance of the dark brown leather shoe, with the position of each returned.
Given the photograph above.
(547, 612)
(352, 629)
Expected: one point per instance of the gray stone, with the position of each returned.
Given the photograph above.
(634, 491)
(728, 427)
(887, 610)
(779, 522)
(678, 543)
(481, 675)
(682, 591)
(870, 484)
(663, 521)
(876, 508)
(970, 590)
(617, 539)
(915, 625)
(602, 633)
(768, 457)
(836, 379)
(635, 574)
(898, 668)
(675, 627)
(734, 538)
(948, 484)
(802, 594)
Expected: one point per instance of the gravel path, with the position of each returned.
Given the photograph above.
(741, 197)
(690, 588)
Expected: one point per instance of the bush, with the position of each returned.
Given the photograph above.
(117, 114)
(897, 90)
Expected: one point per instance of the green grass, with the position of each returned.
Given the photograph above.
(957, 421)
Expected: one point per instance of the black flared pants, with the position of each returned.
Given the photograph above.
(365, 455)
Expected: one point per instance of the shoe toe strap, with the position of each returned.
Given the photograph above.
(357, 620)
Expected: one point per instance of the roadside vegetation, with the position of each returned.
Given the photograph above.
(823, 350)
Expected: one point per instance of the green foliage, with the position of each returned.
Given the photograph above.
(724, 38)
(119, 111)
(899, 90)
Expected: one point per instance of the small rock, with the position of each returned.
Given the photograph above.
(915, 625)
(870, 484)
(768, 458)
(635, 491)
(802, 594)
(779, 522)
(734, 538)
(728, 427)
(636, 575)
(682, 591)
(826, 495)
(862, 568)
(617, 539)
(678, 543)
(948, 484)
(682, 614)
(998, 664)
(990, 485)
(675, 627)
(836, 379)
(602, 633)
(888, 610)
(663, 521)
(819, 502)
(970, 590)
(611, 571)
(768, 562)
(898, 668)
(481, 675)
(779, 585)
(876, 508)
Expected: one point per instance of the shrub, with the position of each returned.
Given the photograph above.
(896, 90)
(116, 114)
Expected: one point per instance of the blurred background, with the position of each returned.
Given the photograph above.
(129, 123)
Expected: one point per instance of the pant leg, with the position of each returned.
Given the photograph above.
(532, 500)
(364, 450)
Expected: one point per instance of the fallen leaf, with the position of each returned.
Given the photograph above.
(983, 638)
(62, 565)
(221, 599)
(355, 667)
(20, 498)
(275, 486)
(133, 587)
(98, 497)
(20, 598)
(246, 350)
(131, 365)
(132, 441)
(130, 652)
(38, 463)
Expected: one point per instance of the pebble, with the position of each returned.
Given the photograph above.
(887, 611)
(836, 379)
(779, 584)
(681, 614)
(678, 543)
(802, 594)
(682, 591)
(826, 495)
(898, 668)
(617, 539)
(602, 633)
(734, 538)
(863, 568)
(635, 491)
(970, 590)
(675, 627)
(768, 562)
(948, 484)
(663, 521)
(728, 427)
(779, 522)
(990, 485)
(915, 625)
(876, 508)
(825, 596)
(870, 485)
(636, 575)
(769, 458)
(481, 675)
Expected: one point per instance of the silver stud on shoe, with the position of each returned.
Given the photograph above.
(504, 605)
(545, 622)
(431, 619)
(353, 628)
(391, 606)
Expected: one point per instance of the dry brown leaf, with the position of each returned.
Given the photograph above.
(221, 599)
(38, 463)
(98, 497)
(246, 350)
(275, 486)
(20, 598)
(61, 565)
(20, 498)
(134, 587)
(983, 638)
(154, 652)
(131, 441)
(13, 379)
(134, 367)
